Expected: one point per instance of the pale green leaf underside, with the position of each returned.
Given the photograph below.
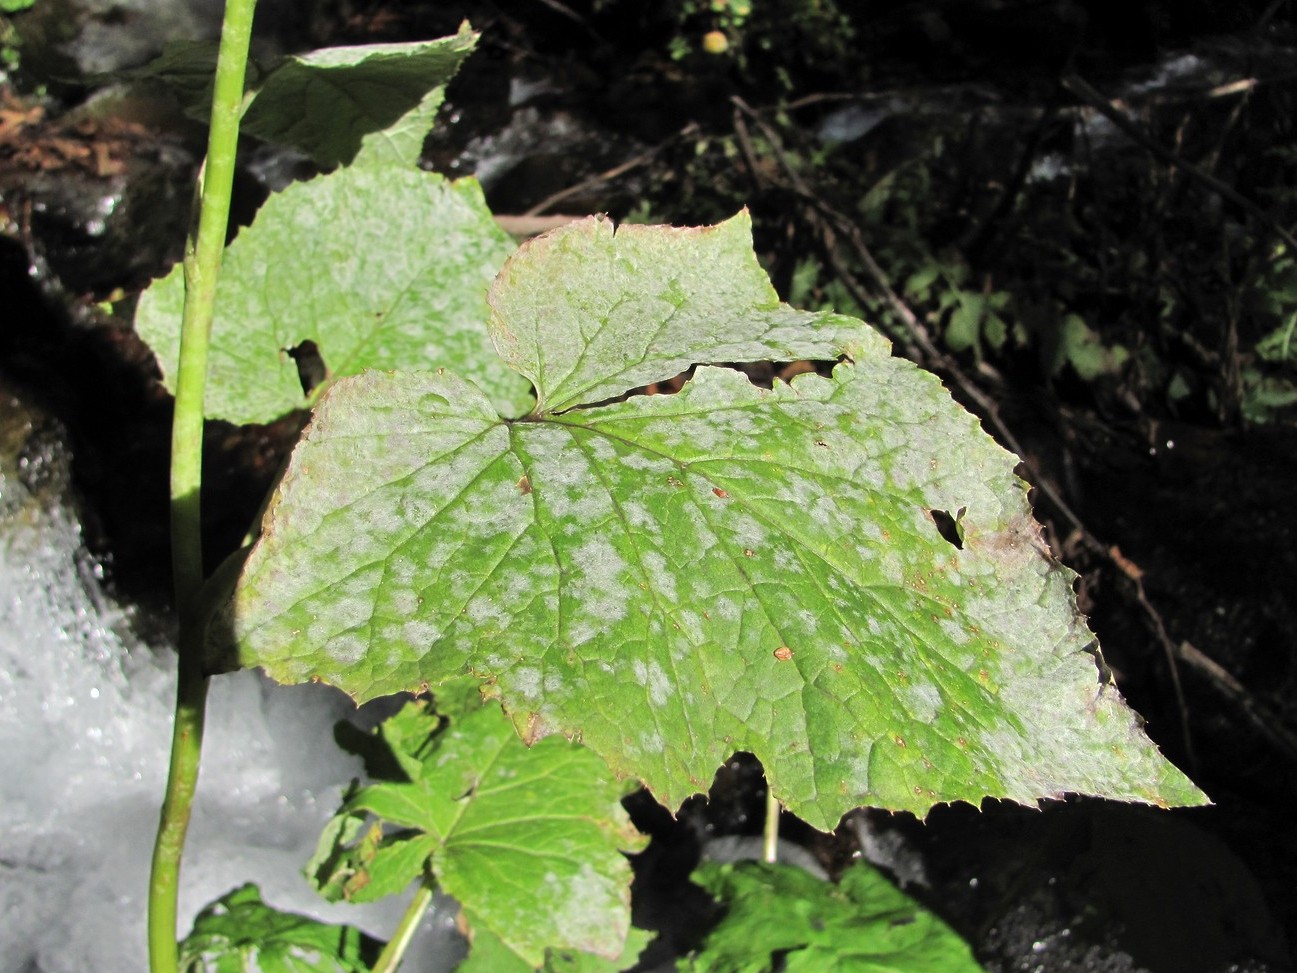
(397, 285)
(326, 102)
(528, 840)
(676, 578)
(588, 314)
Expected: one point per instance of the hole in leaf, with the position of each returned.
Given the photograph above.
(949, 527)
(762, 374)
(311, 370)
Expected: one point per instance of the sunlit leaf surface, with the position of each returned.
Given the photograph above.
(322, 265)
(676, 578)
(529, 840)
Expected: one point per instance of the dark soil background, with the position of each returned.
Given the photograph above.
(902, 161)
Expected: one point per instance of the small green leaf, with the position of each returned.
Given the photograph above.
(996, 330)
(918, 283)
(780, 918)
(964, 329)
(328, 101)
(1081, 347)
(1280, 345)
(588, 314)
(528, 840)
(377, 268)
(238, 933)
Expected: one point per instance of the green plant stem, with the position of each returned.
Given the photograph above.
(770, 832)
(202, 265)
(390, 959)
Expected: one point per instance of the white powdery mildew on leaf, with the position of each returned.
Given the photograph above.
(675, 578)
(526, 680)
(654, 679)
(587, 313)
(923, 701)
(378, 307)
(583, 904)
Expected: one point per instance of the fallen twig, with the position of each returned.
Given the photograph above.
(1083, 90)
(522, 227)
(1266, 723)
(609, 174)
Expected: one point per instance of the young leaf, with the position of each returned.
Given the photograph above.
(781, 918)
(379, 267)
(326, 102)
(238, 933)
(676, 578)
(528, 840)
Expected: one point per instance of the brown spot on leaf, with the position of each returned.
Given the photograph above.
(537, 729)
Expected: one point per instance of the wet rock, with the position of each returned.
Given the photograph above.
(63, 40)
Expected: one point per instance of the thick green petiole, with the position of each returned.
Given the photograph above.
(770, 831)
(202, 265)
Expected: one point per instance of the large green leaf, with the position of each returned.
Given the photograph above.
(675, 578)
(780, 918)
(238, 933)
(380, 267)
(528, 840)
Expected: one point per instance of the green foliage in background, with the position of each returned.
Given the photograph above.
(780, 918)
